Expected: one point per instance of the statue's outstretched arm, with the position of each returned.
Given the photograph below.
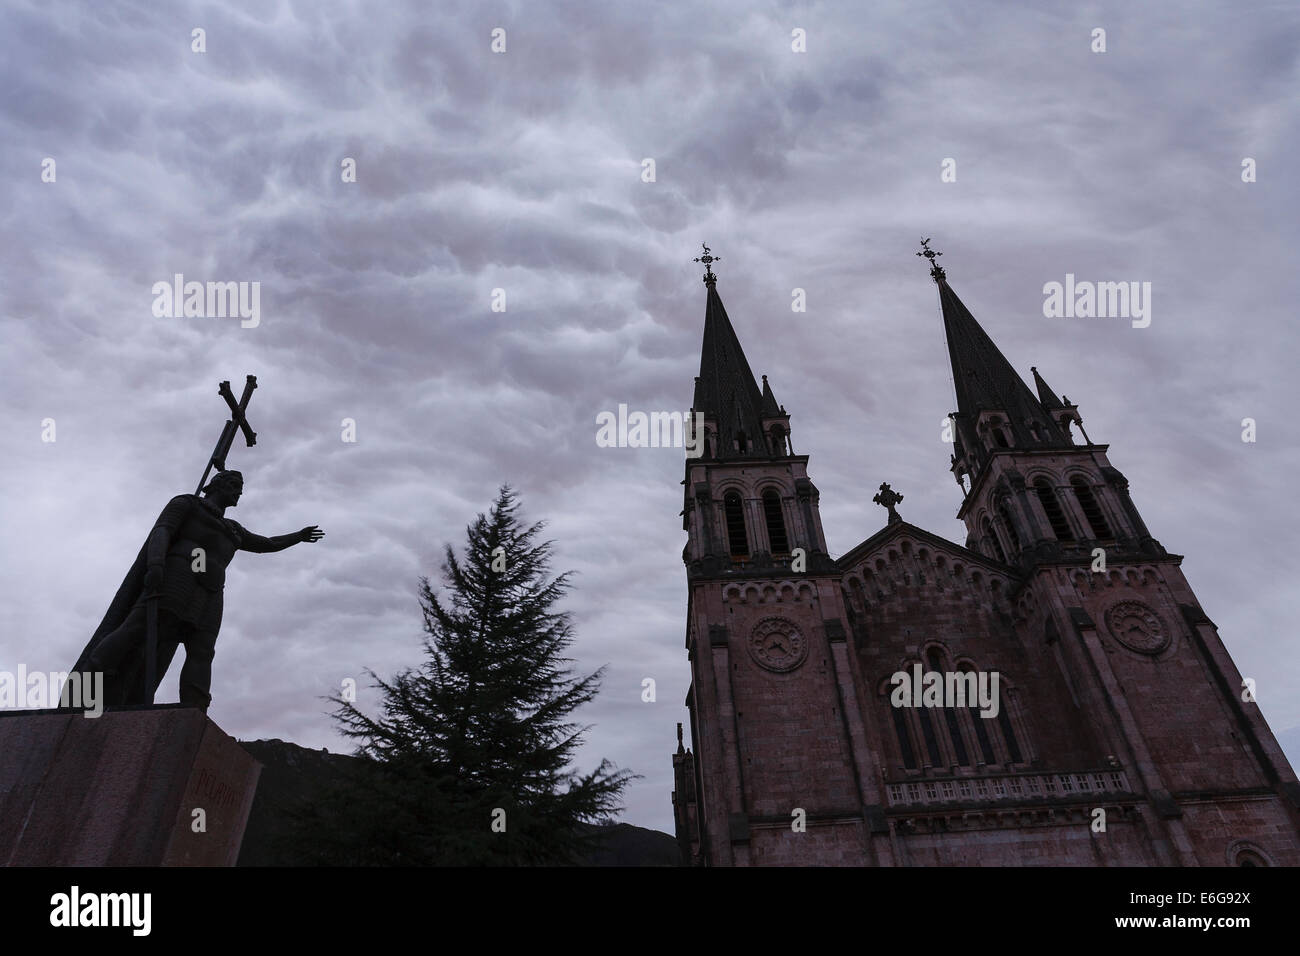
(259, 544)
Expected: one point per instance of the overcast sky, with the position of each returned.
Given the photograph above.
(523, 171)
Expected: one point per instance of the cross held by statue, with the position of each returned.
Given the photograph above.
(238, 422)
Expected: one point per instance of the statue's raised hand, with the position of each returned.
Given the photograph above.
(311, 533)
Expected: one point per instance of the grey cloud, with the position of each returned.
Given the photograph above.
(522, 171)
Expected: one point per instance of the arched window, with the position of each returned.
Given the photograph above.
(859, 593)
(904, 737)
(1091, 510)
(778, 440)
(993, 540)
(1242, 853)
(931, 741)
(1055, 516)
(950, 718)
(954, 731)
(775, 522)
(1005, 514)
(1000, 438)
(736, 539)
(1008, 734)
(981, 730)
(982, 734)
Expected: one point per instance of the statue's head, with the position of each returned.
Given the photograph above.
(225, 488)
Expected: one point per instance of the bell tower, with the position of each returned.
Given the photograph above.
(772, 702)
(1035, 494)
(766, 506)
(1142, 660)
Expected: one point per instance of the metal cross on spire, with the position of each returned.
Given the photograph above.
(888, 498)
(708, 259)
(936, 270)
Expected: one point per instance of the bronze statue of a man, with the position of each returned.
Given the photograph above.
(182, 566)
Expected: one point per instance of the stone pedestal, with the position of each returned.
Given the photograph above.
(122, 789)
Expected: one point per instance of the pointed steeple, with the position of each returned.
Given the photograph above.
(1045, 394)
(770, 408)
(982, 376)
(776, 423)
(725, 390)
(984, 379)
(1063, 412)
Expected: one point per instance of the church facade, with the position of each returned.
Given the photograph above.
(1050, 693)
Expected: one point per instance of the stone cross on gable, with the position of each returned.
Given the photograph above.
(888, 498)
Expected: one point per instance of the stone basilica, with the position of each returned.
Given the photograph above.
(1122, 735)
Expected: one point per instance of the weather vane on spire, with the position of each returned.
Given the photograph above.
(708, 259)
(936, 270)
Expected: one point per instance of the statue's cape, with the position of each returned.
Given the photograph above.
(127, 686)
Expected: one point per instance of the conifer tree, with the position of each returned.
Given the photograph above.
(473, 749)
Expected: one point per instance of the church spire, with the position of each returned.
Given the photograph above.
(770, 408)
(1045, 394)
(726, 391)
(1062, 411)
(990, 395)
